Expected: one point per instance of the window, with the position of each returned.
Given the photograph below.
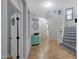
(69, 14)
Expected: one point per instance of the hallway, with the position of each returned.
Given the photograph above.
(49, 49)
(49, 23)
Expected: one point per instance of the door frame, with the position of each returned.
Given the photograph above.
(14, 5)
(8, 43)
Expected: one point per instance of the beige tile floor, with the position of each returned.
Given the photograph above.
(49, 49)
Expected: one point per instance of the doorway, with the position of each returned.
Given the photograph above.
(14, 16)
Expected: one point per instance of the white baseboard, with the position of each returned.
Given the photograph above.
(28, 53)
(4, 57)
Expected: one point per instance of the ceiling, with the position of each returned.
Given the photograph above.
(37, 7)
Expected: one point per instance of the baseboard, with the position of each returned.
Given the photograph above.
(4, 57)
(22, 58)
(28, 54)
(9, 56)
(35, 44)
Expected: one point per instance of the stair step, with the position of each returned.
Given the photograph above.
(70, 40)
(71, 50)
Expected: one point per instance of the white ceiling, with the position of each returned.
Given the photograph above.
(36, 6)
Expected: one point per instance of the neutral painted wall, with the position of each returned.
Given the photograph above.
(24, 30)
(29, 31)
(28, 40)
(57, 22)
(33, 16)
(4, 29)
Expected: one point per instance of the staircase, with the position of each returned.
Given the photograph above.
(69, 39)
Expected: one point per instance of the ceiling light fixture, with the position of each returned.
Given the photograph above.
(47, 4)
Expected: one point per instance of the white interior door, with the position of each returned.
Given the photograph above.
(13, 36)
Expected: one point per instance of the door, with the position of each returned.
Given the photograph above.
(14, 31)
(13, 36)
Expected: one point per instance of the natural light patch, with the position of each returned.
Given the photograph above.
(42, 20)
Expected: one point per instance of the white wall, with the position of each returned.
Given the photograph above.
(4, 29)
(28, 40)
(29, 31)
(32, 31)
(57, 22)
